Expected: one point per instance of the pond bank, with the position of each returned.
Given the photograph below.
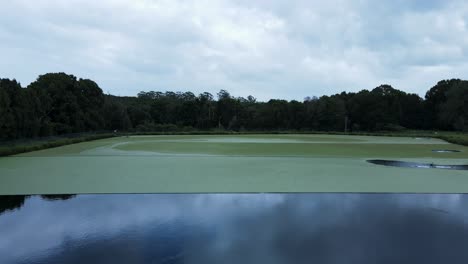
(13, 148)
(28, 145)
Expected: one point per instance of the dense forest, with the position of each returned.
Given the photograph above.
(58, 103)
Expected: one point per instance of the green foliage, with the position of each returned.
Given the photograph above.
(436, 98)
(59, 104)
(16, 148)
(454, 110)
(152, 127)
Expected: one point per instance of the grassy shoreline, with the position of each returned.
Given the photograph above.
(458, 138)
(13, 148)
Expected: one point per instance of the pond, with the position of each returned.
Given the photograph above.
(235, 163)
(235, 228)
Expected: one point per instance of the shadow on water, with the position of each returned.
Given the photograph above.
(57, 197)
(406, 164)
(13, 202)
(238, 228)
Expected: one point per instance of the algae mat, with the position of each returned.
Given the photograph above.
(234, 163)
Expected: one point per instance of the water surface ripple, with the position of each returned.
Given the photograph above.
(235, 228)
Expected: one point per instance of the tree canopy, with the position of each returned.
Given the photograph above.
(59, 103)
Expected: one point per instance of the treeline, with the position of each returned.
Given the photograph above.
(57, 103)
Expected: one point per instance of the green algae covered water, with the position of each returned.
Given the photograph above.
(235, 163)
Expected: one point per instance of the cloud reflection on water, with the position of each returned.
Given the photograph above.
(238, 228)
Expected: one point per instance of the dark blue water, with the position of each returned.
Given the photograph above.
(235, 228)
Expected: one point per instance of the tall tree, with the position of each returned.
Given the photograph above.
(435, 98)
(453, 112)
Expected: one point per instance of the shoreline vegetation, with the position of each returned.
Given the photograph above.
(9, 148)
(60, 109)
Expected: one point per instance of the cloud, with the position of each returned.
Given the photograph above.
(270, 49)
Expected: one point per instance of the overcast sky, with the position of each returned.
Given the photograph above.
(265, 48)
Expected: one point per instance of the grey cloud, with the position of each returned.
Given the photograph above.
(270, 49)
